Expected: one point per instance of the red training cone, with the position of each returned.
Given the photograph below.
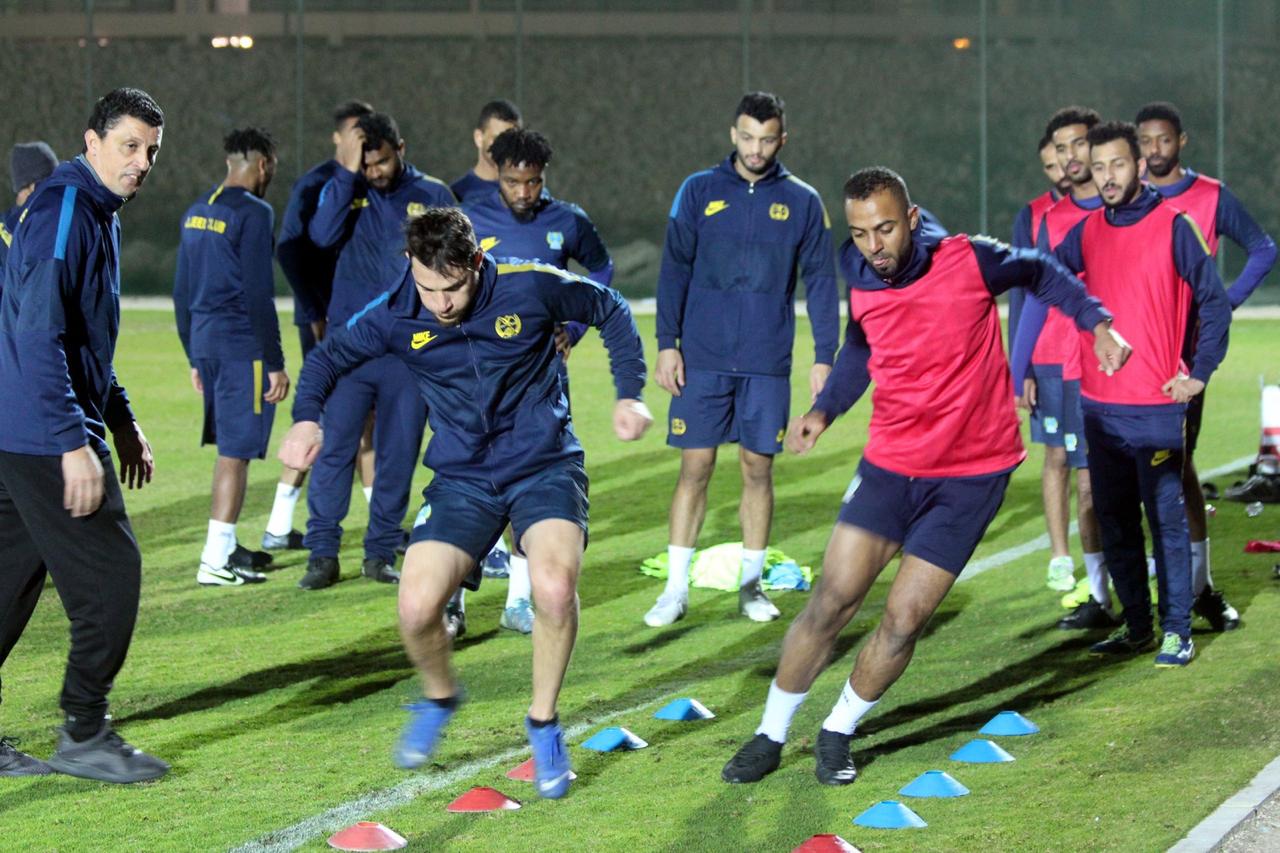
(482, 799)
(524, 773)
(367, 835)
(826, 843)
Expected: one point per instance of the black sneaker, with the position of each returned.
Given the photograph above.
(757, 759)
(1260, 487)
(1089, 616)
(321, 572)
(834, 763)
(378, 569)
(1214, 608)
(291, 541)
(455, 620)
(1121, 642)
(105, 757)
(14, 762)
(243, 558)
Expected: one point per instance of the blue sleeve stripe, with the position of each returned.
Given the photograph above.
(64, 223)
(675, 205)
(355, 318)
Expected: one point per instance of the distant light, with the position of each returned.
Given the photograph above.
(246, 42)
(103, 41)
(219, 41)
(81, 42)
(961, 43)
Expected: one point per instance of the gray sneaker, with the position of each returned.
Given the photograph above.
(378, 569)
(755, 605)
(15, 762)
(105, 757)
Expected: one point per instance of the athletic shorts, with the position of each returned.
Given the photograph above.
(1057, 419)
(718, 408)
(1195, 414)
(236, 418)
(470, 515)
(938, 519)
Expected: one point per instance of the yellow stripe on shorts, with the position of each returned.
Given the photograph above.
(257, 387)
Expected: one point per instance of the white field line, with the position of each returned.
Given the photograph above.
(349, 812)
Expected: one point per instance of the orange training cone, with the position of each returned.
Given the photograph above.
(367, 835)
(524, 773)
(826, 843)
(482, 799)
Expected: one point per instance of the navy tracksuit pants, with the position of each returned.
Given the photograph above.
(384, 385)
(1135, 463)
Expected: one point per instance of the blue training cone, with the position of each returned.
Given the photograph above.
(934, 783)
(613, 738)
(684, 709)
(890, 814)
(1009, 723)
(981, 752)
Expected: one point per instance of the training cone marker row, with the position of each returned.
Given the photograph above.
(483, 799)
(826, 843)
(367, 835)
(981, 752)
(524, 773)
(1009, 723)
(890, 814)
(934, 783)
(684, 709)
(612, 738)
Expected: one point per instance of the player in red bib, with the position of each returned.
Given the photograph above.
(924, 327)
(1218, 212)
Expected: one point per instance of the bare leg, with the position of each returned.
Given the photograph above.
(230, 477)
(292, 477)
(1087, 518)
(1055, 486)
(365, 455)
(756, 508)
(689, 503)
(431, 572)
(555, 550)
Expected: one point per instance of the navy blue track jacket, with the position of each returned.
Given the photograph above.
(224, 287)
(307, 267)
(726, 290)
(496, 405)
(60, 317)
(8, 222)
(367, 227)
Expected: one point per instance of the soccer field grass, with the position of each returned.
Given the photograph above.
(275, 705)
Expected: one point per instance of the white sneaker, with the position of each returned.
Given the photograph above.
(1062, 574)
(755, 605)
(228, 575)
(669, 609)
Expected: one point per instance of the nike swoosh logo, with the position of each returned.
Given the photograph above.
(421, 339)
(549, 784)
(1160, 457)
(714, 207)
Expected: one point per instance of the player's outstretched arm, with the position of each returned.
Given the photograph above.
(301, 445)
(1111, 349)
(362, 339)
(803, 431)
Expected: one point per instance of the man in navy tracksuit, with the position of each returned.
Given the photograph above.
(523, 220)
(1219, 213)
(61, 508)
(726, 324)
(223, 300)
(496, 117)
(29, 164)
(309, 271)
(477, 337)
(362, 211)
(1150, 264)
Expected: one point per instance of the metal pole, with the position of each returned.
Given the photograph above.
(90, 45)
(1222, 108)
(299, 89)
(520, 53)
(982, 116)
(744, 15)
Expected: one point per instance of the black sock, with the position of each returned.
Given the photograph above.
(81, 729)
(542, 724)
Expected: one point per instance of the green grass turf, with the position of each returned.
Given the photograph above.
(274, 704)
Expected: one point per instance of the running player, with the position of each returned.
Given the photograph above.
(1218, 213)
(362, 211)
(726, 324)
(223, 298)
(478, 338)
(923, 322)
(496, 117)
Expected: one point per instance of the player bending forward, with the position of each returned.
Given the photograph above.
(923, 326)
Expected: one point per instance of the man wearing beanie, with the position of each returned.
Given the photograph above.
(29, 164)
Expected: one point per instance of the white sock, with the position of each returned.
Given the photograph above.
(368, 493)
(752, 567)
(678, 560)
(518, 584)
(281, 520)
(779, 708)
(219, 544)
(501, 546)
(459, 599)
(1199, 566)
(1151, 566)
(849, 708)
(1095, 569)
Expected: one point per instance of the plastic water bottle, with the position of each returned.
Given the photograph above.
(1254, 509)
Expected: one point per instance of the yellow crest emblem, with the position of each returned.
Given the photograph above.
(507, 326)
(780, 212)
(487, 244)
(421, 339)
(782, 433)
(678, 426)
(415, 208)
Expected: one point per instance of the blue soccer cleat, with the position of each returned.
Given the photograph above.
(418, 740)
(551, 770)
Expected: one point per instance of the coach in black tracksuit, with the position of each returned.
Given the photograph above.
(61, 508)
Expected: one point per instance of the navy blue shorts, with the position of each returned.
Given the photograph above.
(717, 408)
(1057, 419)
(938, 519)
(236, 418)
(470, 515)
